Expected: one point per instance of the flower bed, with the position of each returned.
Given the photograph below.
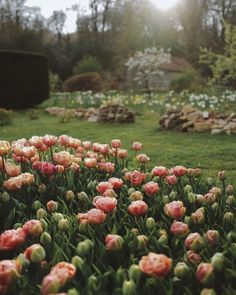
(83, 218)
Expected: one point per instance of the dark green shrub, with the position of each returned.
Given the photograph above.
(24, 79)
(5, 117)
(84, 82)
(88, 64)
(181, 82)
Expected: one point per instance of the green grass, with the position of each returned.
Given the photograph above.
(209, 152)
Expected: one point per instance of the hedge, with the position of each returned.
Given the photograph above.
(24, 79)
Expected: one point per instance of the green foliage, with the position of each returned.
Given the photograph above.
(223, 66)
(54, 82)
(89, 81)
(5, 117)
(88, 64)
(181, 82)
(23, 79)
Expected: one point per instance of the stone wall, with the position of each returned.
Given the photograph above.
(192, 120)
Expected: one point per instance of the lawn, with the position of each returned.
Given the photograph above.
(209, 152)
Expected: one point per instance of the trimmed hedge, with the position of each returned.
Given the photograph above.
(89, 81)
(24, 79)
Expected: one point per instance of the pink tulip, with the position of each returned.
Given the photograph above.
(175, 209)
(116, 183)
(138, 208)
(179, 229)
(33, 227)
(12, 170)
(48, 168)
(155, 265)
(122, 154)
(159, 171)
(114, 242)
(62, 158)
(116, 143)
(93, 216)
(63, 140)
(151, 188)
(90, 162)
(136, 146)
(106, 204)
(204, 272)
(49, 140)
(179, 171)
(136, 177)
(193, 257)
(171, 179)
(103, 186)
(11, 239)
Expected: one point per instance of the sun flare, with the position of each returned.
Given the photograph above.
(164, 4)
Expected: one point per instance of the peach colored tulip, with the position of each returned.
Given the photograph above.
(136, 146)
(122, 154)
(171, 179)
(33, 227)
(105, 204)
(156, 265)
(116, 183)
(175, 209)
(5, 147)
(90, 162)
(103, 186)
(138, 208)
(159, 171)
(116, 143)
(179, 229)
(11, 239)
(12, 170)
(151, 188)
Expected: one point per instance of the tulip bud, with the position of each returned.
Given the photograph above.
(4, 197)
(24, 262)
(228, 219)
(231, 201)
(142, 242)
(191, 198)
(200, 199)
(44, 224)
(233, 247)
(52, 206)
(150, 223)
(36, 205)
(38, 254)
(128, 288)
(83, 226)
(209, 181)
(45, 238)
(165, 200)
(212, 237)
(198, 217)
(217, 261)
(83, 197)
(187, 220)
(134, 231)
(135, 196)
(229, 189)
(42, 188)
(215, 207)
(208, 292)
(92, 282)
(163, 240)
(83, 248)
(120, 275)
(204, 273)
(131, 190)
(231, 237)
(134, 273)
(78, 262)
(173, 195)
(63, 224)
(181, 270)
(222, 175)
(69, 196)
(57, 216)
(41, 213)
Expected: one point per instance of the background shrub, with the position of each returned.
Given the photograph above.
(84, 82)
(5, 117)
(181, 82)
(24, 79)
(88, 64)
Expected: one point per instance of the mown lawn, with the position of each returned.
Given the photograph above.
(209, 152)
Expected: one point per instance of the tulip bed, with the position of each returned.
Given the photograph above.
(84, 218)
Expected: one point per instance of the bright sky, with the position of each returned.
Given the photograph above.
(48, 6)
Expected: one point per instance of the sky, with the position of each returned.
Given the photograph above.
(48, 6)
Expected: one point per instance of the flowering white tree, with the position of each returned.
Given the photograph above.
(145, 64)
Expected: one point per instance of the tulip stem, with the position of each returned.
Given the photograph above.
(3, 168)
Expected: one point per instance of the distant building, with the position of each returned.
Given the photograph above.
(171, 71)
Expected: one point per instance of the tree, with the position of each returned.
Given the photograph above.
(223, 66)
(145, 64)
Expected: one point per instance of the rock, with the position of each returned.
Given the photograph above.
(187, 124)
(217, 131)
(205, 115)
(187, 109)
(194, 117)
(115, 113)
(202, 126)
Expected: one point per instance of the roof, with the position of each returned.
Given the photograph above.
(177, 64)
